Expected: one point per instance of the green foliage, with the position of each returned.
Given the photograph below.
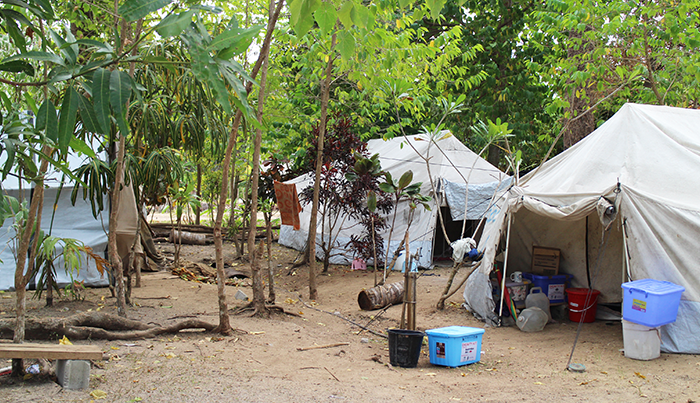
(161, 173)
(97, 177)
(649, 49)
(135, 9)
(217, 72)
(183, 198)
(9, 207)
(364, 166)
(387, 70)
(404, 189)
(372, 201)
(51, 249)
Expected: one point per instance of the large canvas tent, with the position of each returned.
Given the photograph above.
(636, 175)
(452, 164)
(65, 220)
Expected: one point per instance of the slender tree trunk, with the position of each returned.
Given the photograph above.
(374, 250)
(234, 194)
(137, 263)
(270, 270)
(224, 322)
(245, 217)
(388, 241)
(234, 197)
(198, 209)
(650, 69)
(325, 95)
(178, 241)
(494, 155)
(583, 125)
(49, 287)
(258, 286)
(22, 272)
(114, 259)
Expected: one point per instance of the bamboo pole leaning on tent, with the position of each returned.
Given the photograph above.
(505, 267)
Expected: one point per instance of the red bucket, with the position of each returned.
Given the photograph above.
(583, 304)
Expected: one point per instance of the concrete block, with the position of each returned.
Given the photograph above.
(73, 374)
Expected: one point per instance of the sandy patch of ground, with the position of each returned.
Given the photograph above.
(262, 361)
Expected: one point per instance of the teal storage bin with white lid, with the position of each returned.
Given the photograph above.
(651, 303)
(454, 346)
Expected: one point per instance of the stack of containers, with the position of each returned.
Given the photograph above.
(646, 306)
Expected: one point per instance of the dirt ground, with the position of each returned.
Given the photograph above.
(262, 361)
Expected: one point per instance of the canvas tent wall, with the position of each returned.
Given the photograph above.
(452, 162)
(68, 222)
(643, 161)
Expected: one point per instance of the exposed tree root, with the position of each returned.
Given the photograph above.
(96, 325)
(270, 309)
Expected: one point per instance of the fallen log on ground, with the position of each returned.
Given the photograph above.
(380, 296)
(188, 238)
(163, 229)
(96, 325)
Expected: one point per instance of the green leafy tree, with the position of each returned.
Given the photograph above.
(616, 52)
(93, 80)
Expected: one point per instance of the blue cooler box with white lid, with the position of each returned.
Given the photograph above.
(454, 346)
(651, 303)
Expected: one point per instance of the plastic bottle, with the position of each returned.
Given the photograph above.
(539, 300)
(532, 320)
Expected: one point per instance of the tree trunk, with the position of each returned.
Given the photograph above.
(49, 287)
(494, 155)
(270, 270)
(21, 277)
(582, 126)
(198, 209)
(325, 95)
(650, 69)
(224, 322)
(258, 287)
(579, 128)
(446, 292)
(245, 216)
(115, 260)
(234, 194)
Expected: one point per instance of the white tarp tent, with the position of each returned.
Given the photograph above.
(451, 162)
(68, 222)
(642, 161)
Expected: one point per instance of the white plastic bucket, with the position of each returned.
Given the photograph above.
(641, 342)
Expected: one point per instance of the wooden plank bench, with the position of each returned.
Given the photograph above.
(50, 351)
(72, 369)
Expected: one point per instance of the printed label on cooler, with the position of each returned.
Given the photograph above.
(556, 291)
(439, 350)
(639, 305)
(468, 351)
